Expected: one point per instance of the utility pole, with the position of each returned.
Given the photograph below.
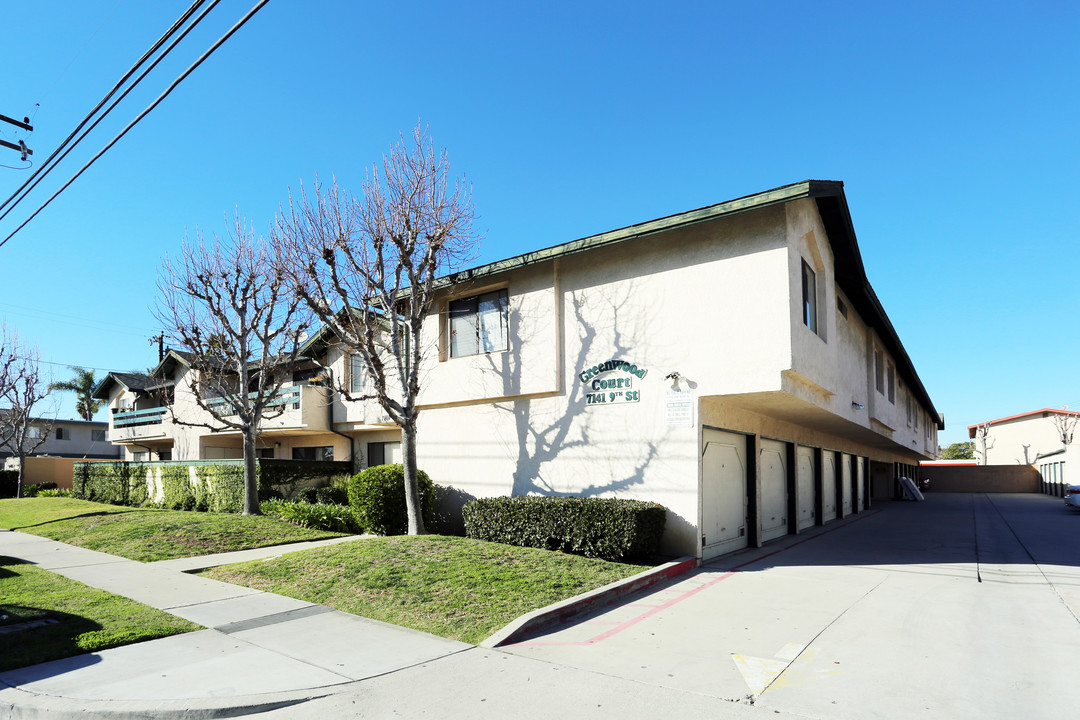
(21, 147)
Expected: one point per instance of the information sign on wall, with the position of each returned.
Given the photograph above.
(679, 407)
(614, 382)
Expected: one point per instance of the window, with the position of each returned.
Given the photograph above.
(164, 455)
(142, 456)
(479, 324)
(97, 435)
(841, 307)
(307, 376)
(879, 371)
(63, 434)
(313, 453)
(383, 453)
(33, 433)
(809, 297)
(892, 384)
(355, 370)
(267, 453)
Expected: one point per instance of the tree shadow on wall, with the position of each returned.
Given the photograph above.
(541, 436)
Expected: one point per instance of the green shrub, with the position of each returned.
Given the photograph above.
(55, 492)
(177, 493)
(378, 497)
(608, 528)
(317, 516)
(35, 490)
(324, 496)
(225, 487)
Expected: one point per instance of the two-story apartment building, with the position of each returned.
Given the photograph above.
(731, 363)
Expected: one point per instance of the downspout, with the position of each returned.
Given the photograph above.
(330, 420)
(330, 413)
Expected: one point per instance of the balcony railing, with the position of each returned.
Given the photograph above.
(134, 418)
(287, 396)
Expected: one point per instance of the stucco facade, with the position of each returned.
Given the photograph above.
(731, 363)
(1022, 439)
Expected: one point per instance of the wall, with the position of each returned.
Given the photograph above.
(1007, 440)
(46, 469)
(981, 478)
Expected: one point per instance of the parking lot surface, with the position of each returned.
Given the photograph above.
(965, 605)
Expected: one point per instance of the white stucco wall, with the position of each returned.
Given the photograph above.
(1007, 440)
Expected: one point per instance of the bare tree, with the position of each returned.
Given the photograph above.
(1065, 425)
(21, 390)
(228, 305)
(367, 267)
(983, 442)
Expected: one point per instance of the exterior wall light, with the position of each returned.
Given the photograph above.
(674, 378)
(856, 405)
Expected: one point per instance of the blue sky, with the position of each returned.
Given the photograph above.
(952, 125)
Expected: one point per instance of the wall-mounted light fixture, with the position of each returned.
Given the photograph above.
(856, 405)
(674, 378)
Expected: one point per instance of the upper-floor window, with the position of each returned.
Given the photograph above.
(479, 324)
(63, 434)
(892, 383)
(355, 371)
(97, 435)
(33, 433)
(879, 371)
(809, 297)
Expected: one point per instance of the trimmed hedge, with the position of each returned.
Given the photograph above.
(317, 516)
(9, 483)
(216, 487)
(608, 528)
(378, 497)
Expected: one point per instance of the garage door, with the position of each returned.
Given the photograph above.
(845, 474)
(723, 493)
(772, 460)
(828, 486)
(860, 485)
(804, 473)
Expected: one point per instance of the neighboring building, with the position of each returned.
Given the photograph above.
(66, 441)
(71, 439)
(1021, 439)
(731, 363)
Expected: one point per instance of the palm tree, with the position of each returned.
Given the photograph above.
(83, 386)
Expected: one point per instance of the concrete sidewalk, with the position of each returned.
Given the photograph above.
(260, 650)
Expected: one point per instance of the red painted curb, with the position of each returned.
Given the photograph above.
(565, 611)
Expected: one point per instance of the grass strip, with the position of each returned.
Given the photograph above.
(44, 616)
(146, 534)
(454, 587)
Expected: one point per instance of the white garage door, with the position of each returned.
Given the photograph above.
(860, 485)
(845, 473)
(772, 464)
(828, 486)
(723, 493)
(804, 474)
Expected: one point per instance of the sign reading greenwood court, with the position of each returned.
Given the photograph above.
(614, 382)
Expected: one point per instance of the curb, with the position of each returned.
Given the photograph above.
(33, 706)
(566, 610)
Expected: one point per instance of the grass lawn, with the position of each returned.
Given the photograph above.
(47, 617)
(454, 587)
(147, 534)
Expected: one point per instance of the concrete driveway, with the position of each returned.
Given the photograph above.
(962, 606)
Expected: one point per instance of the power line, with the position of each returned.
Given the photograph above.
(202, 58)
(153, 48)
(116, 102)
